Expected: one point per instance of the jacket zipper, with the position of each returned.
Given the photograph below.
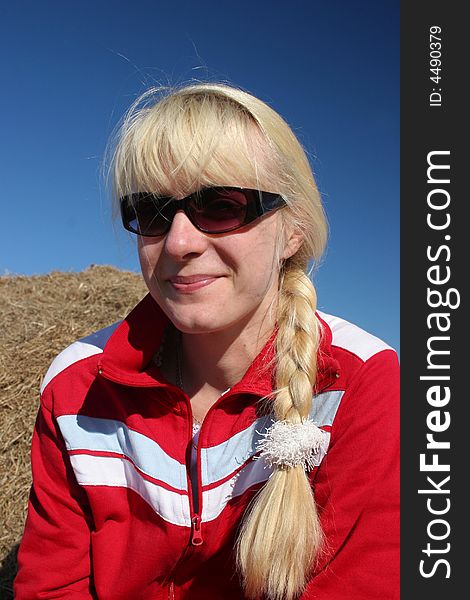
(196, 535)
(196, 520)
(196, 525)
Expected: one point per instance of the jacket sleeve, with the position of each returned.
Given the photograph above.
(357, 490)
(54, 554)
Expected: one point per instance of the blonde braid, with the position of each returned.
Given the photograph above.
(281, 535)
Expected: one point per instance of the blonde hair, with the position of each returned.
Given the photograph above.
(173, 141)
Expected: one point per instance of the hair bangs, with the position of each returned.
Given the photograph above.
(202, 140)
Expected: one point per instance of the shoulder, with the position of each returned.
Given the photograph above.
(360, 355)
(368, 379)
(83, 348)
(349, 338)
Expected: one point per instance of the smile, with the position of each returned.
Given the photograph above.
(192, 283)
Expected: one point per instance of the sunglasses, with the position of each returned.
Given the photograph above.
(211, 210)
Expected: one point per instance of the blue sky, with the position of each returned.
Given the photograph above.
(70, 70)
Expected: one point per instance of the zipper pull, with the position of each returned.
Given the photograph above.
(196, 537)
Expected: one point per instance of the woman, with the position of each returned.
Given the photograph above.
(225, 440)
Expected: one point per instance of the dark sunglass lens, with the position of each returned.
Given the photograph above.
(219, 209)
(151, 216)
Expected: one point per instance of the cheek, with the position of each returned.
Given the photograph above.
(149, 254)
(255, 264)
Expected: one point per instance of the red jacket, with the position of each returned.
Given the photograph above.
(111, 513)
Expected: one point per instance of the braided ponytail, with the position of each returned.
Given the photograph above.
(281, 533)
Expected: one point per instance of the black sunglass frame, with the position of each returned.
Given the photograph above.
(258, 203)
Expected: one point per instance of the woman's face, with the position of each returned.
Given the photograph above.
(206, 283)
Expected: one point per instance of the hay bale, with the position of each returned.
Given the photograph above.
(40, 316)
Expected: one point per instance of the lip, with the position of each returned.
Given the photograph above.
(190, 283)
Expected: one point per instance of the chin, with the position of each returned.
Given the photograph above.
(196, 320)
(197, 325)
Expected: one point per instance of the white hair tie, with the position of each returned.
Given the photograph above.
(286, 444)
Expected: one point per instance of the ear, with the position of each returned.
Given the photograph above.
(293, 243)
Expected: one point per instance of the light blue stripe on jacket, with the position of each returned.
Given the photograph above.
(107, 435)
(219, 462)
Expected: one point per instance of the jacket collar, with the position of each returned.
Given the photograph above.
(127, 356)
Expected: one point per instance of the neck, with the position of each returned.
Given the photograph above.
(218, 360)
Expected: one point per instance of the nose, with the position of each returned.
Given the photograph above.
(183, 239)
